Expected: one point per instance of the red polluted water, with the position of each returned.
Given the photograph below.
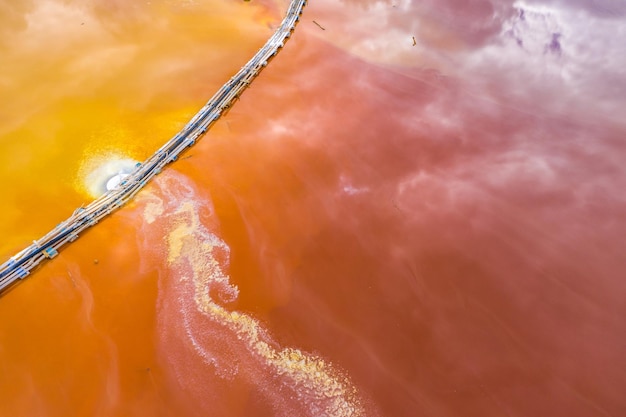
(379, 227)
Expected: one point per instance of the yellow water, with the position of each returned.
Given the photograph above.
(85, 82)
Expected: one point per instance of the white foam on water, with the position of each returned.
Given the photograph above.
(102, 173)
(233, 344)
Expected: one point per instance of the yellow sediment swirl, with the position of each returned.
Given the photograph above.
(319, 387)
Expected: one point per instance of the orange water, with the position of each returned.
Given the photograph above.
(85, 81)
(83, 84)
(376, 228)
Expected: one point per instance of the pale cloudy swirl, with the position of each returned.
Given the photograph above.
(298, 381)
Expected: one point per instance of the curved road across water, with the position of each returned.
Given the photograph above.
(20, 266)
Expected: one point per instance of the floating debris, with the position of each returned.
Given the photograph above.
(318, 25)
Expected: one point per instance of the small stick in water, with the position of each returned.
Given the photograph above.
(320, 26)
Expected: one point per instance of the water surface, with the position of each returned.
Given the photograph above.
(415, 210)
